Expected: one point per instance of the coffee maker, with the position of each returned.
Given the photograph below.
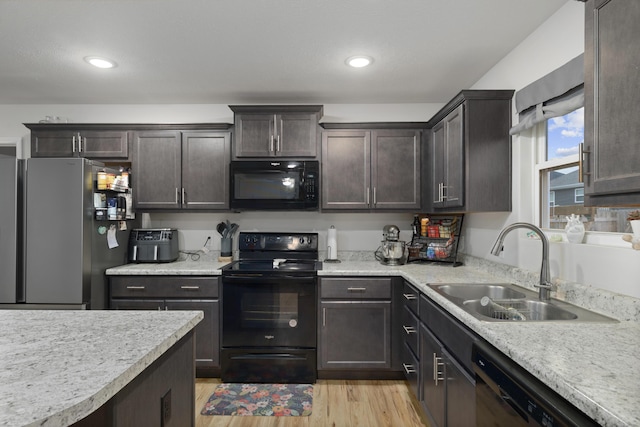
(391, 250)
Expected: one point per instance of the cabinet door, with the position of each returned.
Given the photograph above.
(255, 135)
(205, 170)
(207, 331)
(432, 371)
(612, 82)
(461, 394)
(296, 135)
(395, 169)
(346, 171)
(447, 161)
(54, 143)
(157, 169)
(454, 160)
(104, 144)
(355, 334)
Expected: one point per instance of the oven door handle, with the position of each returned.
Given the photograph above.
(507, 399)
(268, 356)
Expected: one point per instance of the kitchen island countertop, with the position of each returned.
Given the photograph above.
(592, 365)
(59, 366)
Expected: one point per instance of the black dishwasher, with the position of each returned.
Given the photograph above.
(509, 396)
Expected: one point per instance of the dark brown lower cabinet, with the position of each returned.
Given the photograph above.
(356, 316)
(176, 293)
(162, 395)
(446, 383)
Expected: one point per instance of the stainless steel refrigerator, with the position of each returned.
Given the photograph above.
(53, 252)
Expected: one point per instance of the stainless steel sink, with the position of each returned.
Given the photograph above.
(511, 303)
(467, 292)
(519, 310)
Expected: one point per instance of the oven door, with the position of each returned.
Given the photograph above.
(266, 310)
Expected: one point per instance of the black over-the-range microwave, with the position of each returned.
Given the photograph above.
(274, 185)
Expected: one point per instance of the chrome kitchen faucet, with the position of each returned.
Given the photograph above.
(544, 286)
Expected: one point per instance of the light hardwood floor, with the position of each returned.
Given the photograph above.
(340, 403)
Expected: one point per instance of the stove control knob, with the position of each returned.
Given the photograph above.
(302, 240)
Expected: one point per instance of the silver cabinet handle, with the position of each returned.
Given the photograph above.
(80, 143)
(409, 329)
(324, 316)
(190, 287)
(440, 190)
(270, 143)
(368, 191)
(135, 253)
(350, 289)
(73, 144)
(581, 172)
(409, 369)
(436, 372)
(138, 288)
(177, 195)
(278, 143)
(184, 198)
(410, 297)
(374, 196)
(155, 253)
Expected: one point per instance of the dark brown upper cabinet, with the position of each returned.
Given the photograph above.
(276, 131)
(611, 153)
(371, 167)
(468, 162)
(181, 169)
(93, 141)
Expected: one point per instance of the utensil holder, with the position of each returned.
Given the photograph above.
(225, 247)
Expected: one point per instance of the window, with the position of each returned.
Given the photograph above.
(561, 192)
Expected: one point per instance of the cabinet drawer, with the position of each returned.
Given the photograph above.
(411, 368)
(356, 288)
(410, 297)
(164, 287)
(410, 329)
(453, 335)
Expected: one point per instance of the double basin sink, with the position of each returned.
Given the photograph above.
(503, 302)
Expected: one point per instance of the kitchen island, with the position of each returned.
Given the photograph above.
(60, 368)
(593, 366)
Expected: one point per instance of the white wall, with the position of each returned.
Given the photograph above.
(557, 41)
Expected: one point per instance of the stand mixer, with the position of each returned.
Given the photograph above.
(391, 250)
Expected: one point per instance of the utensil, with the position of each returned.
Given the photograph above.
(234, 228)
(221, 228)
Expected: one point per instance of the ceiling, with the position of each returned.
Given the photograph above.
(255, 51)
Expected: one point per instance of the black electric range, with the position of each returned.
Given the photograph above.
(269, 306)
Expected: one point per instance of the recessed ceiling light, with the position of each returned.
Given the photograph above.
(359, 61)
(100, 62)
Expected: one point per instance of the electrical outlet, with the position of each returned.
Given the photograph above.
(165, 409)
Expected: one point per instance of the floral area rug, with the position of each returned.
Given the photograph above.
(280, 400)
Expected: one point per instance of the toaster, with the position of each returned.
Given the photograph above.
(153, 245)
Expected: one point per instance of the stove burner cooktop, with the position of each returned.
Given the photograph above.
(273, 266)
(276, 253)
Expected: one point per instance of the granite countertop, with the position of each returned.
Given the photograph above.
(595, 366)
(57, 367)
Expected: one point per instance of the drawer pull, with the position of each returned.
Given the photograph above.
(139, 288)
(409, 369)
(410, 297)
(190, 287)
(409, 329)
(350, 289)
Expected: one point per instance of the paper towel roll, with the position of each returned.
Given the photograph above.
(332, 242)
